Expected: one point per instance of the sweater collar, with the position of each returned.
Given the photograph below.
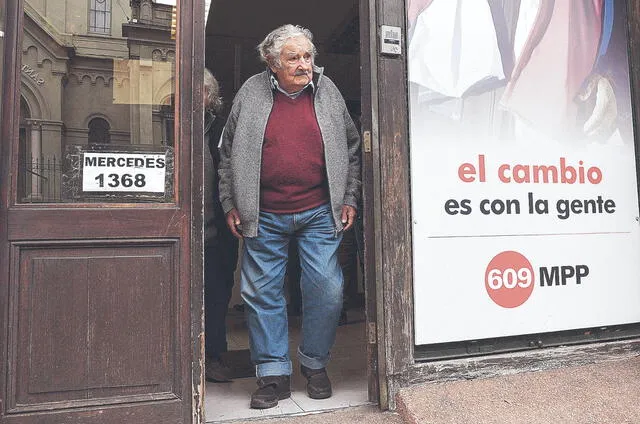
(276, 86)
(318, 71)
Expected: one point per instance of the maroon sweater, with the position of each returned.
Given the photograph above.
(293, 175)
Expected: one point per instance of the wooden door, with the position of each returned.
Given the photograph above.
(96, 217)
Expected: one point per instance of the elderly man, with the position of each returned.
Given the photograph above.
(290, 169)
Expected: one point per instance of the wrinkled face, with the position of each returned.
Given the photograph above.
(296, 61)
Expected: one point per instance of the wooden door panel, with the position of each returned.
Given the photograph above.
(131, 349)
(85, 223)
(167, 412)
(93, 324)
(52, 312)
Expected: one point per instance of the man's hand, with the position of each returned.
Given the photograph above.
(234, 224)
(348, 217)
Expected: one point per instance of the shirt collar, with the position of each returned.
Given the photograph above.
(276, 86)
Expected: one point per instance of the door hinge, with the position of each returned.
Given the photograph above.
(372, 333)
(366, 141)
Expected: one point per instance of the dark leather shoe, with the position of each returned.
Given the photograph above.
(318, 384)
(271, 389)
(216, 371)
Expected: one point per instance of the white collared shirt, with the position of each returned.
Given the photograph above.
(276, 86)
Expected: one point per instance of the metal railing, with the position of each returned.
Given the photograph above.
(40, 180)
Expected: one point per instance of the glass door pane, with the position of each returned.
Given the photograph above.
(97, 102)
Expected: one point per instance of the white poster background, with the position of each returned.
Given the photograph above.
(452, 304)
(452, 252)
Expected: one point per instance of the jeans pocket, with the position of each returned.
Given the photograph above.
(322, 221)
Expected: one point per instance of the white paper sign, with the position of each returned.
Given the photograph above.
(123, 172)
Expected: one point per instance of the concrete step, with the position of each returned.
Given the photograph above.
(602, 393)
(356, 415)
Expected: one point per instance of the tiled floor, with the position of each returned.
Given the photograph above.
(347, 370)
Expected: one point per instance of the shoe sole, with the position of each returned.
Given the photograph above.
(260, 404)
(323, 395)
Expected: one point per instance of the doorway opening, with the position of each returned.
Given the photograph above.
(234, 29)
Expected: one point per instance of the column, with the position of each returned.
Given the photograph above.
(35, 127)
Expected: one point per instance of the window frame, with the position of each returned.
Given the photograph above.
(92, 12)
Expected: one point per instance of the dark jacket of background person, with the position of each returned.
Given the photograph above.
(221, 247)
(214, 220)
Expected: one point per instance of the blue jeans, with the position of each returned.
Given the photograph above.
(264, 260)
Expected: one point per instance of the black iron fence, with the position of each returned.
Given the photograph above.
(39, 180)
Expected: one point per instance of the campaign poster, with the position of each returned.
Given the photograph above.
(523, 170)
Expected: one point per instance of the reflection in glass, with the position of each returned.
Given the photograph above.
(95, 75)
(99, 131)
(100, 16)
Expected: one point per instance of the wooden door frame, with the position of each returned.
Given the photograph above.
(388, 182)
(193, 107)
(370, 212)
(392, 213)
(370, 186)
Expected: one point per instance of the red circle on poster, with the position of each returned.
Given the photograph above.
(509, 279)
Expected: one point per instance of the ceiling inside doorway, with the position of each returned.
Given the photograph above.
(334, 23)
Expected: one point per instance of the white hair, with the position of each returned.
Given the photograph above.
(212, 92)
(271, 47)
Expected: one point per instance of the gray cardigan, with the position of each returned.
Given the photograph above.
(241, 150)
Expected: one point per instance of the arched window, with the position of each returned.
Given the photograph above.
(99, 131)
(100, 16)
